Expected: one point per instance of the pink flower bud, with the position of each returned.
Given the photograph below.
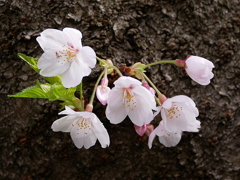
(199, 69)
(103, 91)
(146, 128)
(145, 84)
(140, 129)
(149, 129)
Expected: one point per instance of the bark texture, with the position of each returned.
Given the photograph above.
(126, 32)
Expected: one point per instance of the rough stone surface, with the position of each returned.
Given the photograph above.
(126, 32)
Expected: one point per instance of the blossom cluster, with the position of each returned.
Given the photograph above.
(65, 62)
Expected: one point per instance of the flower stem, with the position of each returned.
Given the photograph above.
(161, 62)
(95, 88)
(150, 82)
(99, 59)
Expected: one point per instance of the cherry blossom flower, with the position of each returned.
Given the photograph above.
(199, 69)
(179, 114)
(166, 138)
(129, 97)
(103, 91)
(84, 127)
(64, 55)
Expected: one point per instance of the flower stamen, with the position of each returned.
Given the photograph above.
(129, 100)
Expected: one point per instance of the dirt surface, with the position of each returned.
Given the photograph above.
(126, 32)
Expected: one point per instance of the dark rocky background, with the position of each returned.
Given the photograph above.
(126, 32)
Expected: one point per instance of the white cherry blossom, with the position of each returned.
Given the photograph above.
(166, 138)
(64, 55)
(199, 69)
(179, 114)
(84, 127)
(130, 98)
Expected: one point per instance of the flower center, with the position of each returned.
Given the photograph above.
(174, 112)
(83, 125)
(129, 99)
(66, 55)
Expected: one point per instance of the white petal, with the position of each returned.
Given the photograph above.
(160, 130)
(116, 111)
(100, 132)
(51, 38)
(82, 137)
(88, 56)
(73, 76)
(146, 95)
(126, 82)
(64, 124)
(50, 65)
(186, 100)
(194, 127)
(169, 125)
(171, 139)
(151, 138)
(158, 109)
(73, 37)
(67, 110)
(142, 113)
(167, 104)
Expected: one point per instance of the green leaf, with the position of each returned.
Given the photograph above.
(30, 60)
(33, 63)
(62, 93)
(32, 92)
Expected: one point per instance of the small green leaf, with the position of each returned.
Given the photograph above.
(31, 92)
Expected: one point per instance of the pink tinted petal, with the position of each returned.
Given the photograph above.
(199, 69)
(140, 129)
(102, 94)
